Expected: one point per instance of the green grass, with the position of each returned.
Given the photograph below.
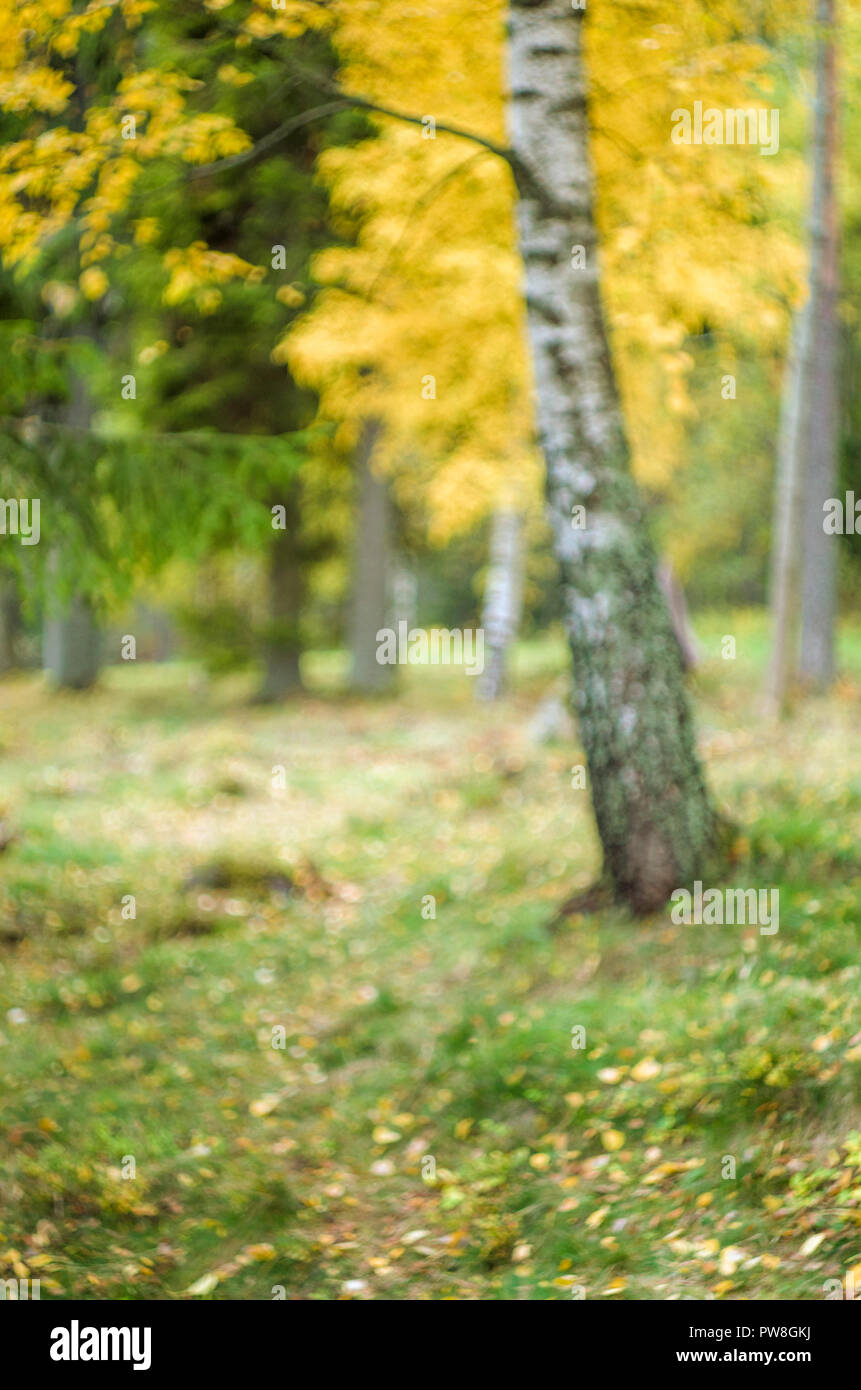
(428, 1130)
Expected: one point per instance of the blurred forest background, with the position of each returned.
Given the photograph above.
(266, 368)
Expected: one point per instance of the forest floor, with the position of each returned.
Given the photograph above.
(427, 1130)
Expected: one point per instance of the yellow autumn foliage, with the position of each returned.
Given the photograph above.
(421, 322)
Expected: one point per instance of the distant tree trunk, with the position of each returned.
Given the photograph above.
(71, 639)
(72, 645)
(163, 637)
(503, 599)
(653, 812)
(10, 624)
(369, 608)
(675, 596)
(281, 642)
(819, 573)
(405, 592)
(792, 445)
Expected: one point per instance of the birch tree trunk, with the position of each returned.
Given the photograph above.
(819, 572)
(369, 608)
(653, 812)
(405, 594)
(503, 599)
(677, 604)
(792, 446)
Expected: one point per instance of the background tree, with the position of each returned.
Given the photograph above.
(503, 598)
(372, 568)
(804, 556)
(210, 364)
(209, 252)
(819, 572)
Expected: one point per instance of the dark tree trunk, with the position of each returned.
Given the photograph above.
(10, 625)
(369, 607)
(281, 641)
(72, 646)
(71, 637)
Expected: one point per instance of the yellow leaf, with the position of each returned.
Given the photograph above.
(93, 282)
(646, 1070)
(290, 296)
(666, 1170)
(723, 1287)
(612, 1139)
(383, 1135)
(594, 1221)
(264, 1106)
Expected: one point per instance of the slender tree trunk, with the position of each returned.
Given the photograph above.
(405, 593)
(792, 445)
(677, 604)
(819, 573)
(10, 624)
(71, 638)
(653, 812)
(163, 636)
(369, 608)
(281, 641)
(503, 599)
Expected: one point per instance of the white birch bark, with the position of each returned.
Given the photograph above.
(503, 599)
(792, 446)
(653, 813)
